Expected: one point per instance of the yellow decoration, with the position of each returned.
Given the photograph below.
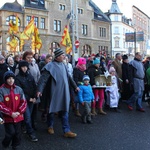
(7, 99)
(16, 98)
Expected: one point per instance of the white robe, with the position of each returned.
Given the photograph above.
(112, 93)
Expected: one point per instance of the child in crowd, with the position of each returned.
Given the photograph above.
(12, 106)
(86, 96)
(112, 91)
(25, 80)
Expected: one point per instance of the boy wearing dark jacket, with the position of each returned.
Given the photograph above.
(26, 81)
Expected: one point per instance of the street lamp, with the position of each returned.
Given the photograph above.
(134, 41)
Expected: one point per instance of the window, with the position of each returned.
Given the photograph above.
(61, 7)
(42, 23)
(53, 47)
(28, 19)
(34, 2)
(36, 21)
(117, 43)
(84, 29)
(13, 18)
(86, 50)
(116, 30)
(116, 18)
(57, 25)
(80, 11)
(102, 32)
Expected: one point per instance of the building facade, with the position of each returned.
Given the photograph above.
(120, 25)
(141, 24)
(91, 25)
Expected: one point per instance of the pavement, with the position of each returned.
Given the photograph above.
(128, 130)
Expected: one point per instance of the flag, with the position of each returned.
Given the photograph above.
(13, 44)
(66, 41)
(29, 29)
(33, 42)
(21, 44)
(13, 27)
(38, 41)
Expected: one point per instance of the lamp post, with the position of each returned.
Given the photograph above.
(134, 41)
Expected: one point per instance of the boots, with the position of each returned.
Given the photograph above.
(77, 113)
(93, 112)
(101, 111)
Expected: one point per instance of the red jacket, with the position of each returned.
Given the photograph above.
(12, 99)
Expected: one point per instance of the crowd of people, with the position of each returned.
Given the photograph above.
(50, 83)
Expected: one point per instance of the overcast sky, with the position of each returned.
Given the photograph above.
(124, 5)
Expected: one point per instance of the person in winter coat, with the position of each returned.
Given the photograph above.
(55, 73)
(26, 81)
(137, 81)
(12, 105)
(127, 91)
(94, 71)
(78, 72)
(11, 65)
(86, 96)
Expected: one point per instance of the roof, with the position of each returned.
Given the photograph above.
(114, 8)
(14, 7)
(98, 14)
(37, 4)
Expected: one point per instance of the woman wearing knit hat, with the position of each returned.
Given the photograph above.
(78, 72)
(94, 71)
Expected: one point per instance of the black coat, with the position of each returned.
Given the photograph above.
(78, 75)
(127, 75)
(93, 72)
(27, 83)
(3, 68)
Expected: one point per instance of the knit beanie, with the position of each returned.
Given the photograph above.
(8, 74)
(96, 61)
(86, 77)
(81, 61)
(58, 52)
(124, 57)
(23, 63)
(112, 69)
(43, 56)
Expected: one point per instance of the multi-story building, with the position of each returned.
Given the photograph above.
(141, 25)
(120, 25)
(92, 26)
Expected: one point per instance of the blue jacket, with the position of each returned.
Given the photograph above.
(85, 94)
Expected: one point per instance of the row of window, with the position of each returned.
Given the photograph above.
(36, 21)
(63, 7)
(57, 25)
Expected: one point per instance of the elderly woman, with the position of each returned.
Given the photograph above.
(11, 65)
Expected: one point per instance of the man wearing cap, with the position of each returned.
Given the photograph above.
(56, 75)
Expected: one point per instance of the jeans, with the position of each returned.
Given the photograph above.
(27, 118)
(136, 97)
(64, 119)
